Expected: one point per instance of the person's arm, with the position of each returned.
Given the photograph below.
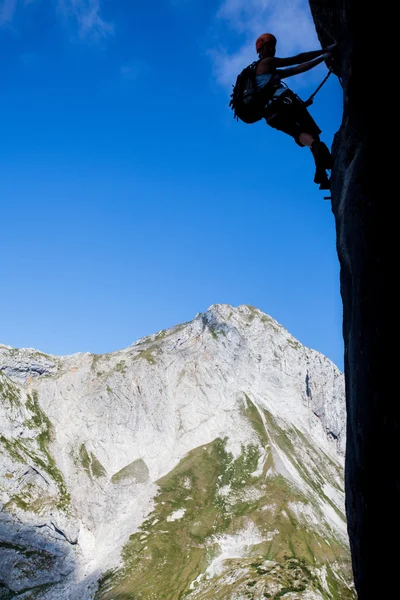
(303, 67)
(303, 57)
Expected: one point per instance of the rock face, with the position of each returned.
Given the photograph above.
(358, 187)
(204, 460)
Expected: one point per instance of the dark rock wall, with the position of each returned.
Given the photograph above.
(363, 208)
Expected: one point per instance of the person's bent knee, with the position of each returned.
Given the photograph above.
(306, 139)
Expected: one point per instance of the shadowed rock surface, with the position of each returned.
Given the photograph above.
(360, 203)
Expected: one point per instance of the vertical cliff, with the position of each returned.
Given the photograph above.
(359, 203)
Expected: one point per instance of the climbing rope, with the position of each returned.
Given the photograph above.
(311, 98)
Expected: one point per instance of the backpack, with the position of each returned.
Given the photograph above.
(247, 101)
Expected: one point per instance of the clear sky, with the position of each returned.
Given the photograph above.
(130, 198)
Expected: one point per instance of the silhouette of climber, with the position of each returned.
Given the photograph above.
(285, 111)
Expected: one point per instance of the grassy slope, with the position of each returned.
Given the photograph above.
(34, 449)
(164, 557)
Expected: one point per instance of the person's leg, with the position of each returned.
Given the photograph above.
(307, 139)
(293, 119)
(310, 136)
(322, 158)
(321, 154)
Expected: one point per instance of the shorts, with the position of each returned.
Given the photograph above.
(288, 114)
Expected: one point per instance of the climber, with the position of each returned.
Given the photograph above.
(285, 111)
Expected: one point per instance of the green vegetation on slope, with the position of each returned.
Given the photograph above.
(136, 470)
(36, 449)
(8, 391)
(147, 354)
(91, 463)
(210, 494)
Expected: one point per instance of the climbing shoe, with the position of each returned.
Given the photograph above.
(322, 179)
(325, 185)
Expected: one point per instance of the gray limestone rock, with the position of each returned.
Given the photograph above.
(85, 442)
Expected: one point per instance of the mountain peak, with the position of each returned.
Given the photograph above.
(223, 435)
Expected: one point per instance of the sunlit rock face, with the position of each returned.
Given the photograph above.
(359, 182)
(204, 460)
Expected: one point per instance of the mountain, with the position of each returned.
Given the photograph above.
(201, 462)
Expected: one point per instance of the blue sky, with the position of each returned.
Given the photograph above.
(130, 198)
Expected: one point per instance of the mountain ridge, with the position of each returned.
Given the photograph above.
(113, 426)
